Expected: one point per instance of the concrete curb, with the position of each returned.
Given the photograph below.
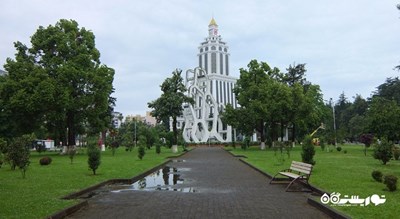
(67, 211)
(315, 203)
(113, 181)
(326, 209)
(74, 208)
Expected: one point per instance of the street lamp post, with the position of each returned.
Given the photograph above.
(135, 133)
(334, 121)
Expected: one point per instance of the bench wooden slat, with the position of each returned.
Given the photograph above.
(301, 170)
(289, 174)
(302, 164)
(301, 167)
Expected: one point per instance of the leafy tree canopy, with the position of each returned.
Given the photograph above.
(58, 83)
(170, 103)
(389, 90)
(384, 118)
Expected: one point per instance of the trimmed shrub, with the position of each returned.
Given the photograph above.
(141, 152)
(308, 150)
(45, 161)
(383, 151)
(345, 151)
(19, 152)
(377, 175)
(339, 148)
(94, 157)
(391, 182)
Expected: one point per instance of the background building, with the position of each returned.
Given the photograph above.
(147, 119)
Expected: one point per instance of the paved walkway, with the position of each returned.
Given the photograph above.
(224, 188)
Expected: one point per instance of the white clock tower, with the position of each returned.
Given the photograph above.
(211, 87)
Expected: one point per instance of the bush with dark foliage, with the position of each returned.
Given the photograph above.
(45, 161)
(391, 182)
(377, 175)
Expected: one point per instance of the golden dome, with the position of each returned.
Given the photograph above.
(212, 22)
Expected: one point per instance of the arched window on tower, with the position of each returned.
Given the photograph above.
(227, 64)
(213, 62)
(221, 66)
(200, 62)
(213, 48)
(206, 62)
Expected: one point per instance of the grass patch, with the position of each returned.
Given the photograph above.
(347, 173)
(38, 195)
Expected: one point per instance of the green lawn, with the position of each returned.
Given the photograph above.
(348, 174)
(38, 195)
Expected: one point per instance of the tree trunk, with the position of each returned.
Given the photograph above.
(262, 136)
(293, 134)
(282, 130)
(175, 138)
(71, 129)
(274, 134)
(103, 140)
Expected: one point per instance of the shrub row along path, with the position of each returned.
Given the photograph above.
(223, 187)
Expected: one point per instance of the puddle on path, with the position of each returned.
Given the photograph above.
(163, 179)
(178, 161)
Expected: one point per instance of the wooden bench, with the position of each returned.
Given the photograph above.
(298, 171)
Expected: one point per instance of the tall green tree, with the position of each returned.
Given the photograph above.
(389, 90)
(353, 118)
(170, 103)
(295, 74)
(24, 93)
(383, 118)
(312, 111)
(279, 104)
(342, 116)
(295, 78)
(58, 83)
(262, 99)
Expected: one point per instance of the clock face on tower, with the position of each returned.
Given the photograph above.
(213, 31)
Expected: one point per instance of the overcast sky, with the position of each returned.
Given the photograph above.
(349, 46)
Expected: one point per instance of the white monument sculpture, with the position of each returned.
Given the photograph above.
(212, 89)
(202, 119)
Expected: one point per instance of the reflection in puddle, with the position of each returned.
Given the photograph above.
(161, 180)
(178, 161)
(164, 176)
(189, 189)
